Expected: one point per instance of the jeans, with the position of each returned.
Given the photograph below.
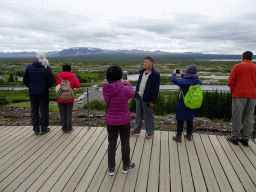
(180, 125)
(124, 132)
(143, 109)
(242, 108)
(40, 102)
(66, 115)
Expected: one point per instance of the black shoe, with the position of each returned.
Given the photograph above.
(188, 137)
(234, 141)
(177, 138)
(37, 132)
(46, 131)
(244, 142)
(111, 171)
(127, 169)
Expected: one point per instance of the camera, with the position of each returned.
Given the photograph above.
(148, 104)
(125, 75)
(177, 71)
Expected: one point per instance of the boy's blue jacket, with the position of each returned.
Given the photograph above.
(38, 78)
(184, 113)
(152, 86)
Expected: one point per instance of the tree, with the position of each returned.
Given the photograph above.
(11, 79)
(159, 107)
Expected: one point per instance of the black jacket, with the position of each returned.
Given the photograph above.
(152, 86)
(38, 78)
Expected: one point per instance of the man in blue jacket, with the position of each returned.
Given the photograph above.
(38, 78)
(146, 94)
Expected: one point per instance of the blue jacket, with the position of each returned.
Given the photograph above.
(38, 78)
(184, 113)
(152, 86)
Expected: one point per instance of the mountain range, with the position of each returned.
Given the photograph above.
(96, 53)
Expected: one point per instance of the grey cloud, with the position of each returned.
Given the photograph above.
(185, 32)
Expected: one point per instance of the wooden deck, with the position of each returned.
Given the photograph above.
(77, 161)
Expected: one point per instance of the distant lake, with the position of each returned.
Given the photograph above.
(238, 60)
(135, 77)
(219, 88)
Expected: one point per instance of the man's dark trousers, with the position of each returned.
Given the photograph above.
(40, 102)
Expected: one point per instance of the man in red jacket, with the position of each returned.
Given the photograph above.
(242, 83)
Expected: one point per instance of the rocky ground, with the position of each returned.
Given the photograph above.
(17, 116)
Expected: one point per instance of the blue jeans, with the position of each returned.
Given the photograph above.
(143, 109)
(180, 127)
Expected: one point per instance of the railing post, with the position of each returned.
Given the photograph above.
(88, 108)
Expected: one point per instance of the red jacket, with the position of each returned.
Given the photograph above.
(74, 83)
(242, 80)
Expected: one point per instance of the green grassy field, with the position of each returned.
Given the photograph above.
(22, 96)
(88, 70)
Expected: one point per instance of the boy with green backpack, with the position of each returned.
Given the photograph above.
(190, 98)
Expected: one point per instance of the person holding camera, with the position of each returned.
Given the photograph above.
(242, 83)
(184, 113)
(146, 95)
(116, 94)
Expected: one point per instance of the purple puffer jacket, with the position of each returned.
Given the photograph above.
(118, 111)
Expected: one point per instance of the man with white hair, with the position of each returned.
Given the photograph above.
(38, 78)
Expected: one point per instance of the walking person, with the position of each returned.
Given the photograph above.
(66, 105)
(184, 113)
(242, 83)
(146, 94)
(116, 94)
(38, 78)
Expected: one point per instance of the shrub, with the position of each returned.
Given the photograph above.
(3, 102)
(20, 100)
(159, 107)
(11, 79)
(171, 104)
(85, 106)
(132, 105)
(53, 98)
(97, 105)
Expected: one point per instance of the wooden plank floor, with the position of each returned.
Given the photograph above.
(77, 161)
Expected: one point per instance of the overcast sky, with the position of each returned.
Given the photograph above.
(215, 26)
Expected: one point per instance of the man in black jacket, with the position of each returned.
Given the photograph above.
(38, 78)
(146, 95)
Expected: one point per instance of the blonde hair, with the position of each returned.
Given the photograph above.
(42, 59)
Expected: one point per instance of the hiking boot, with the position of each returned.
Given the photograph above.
(127, 169)
(134, 134)
(177, 138)
(68, 131)
(46, 131)
(188, 137)
(149, 136)
(111, 171)
(244, 142)
(37, 132)
(234, 141)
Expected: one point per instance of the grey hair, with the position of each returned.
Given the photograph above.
(42, 59)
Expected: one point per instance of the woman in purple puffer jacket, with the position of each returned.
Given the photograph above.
(116, 94)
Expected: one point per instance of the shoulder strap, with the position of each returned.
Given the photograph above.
(110, 100)
(108, 103)
(181, 92)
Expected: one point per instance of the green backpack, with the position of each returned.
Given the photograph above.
(194, 97)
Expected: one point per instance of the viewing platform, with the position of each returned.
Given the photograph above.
(78, 161)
